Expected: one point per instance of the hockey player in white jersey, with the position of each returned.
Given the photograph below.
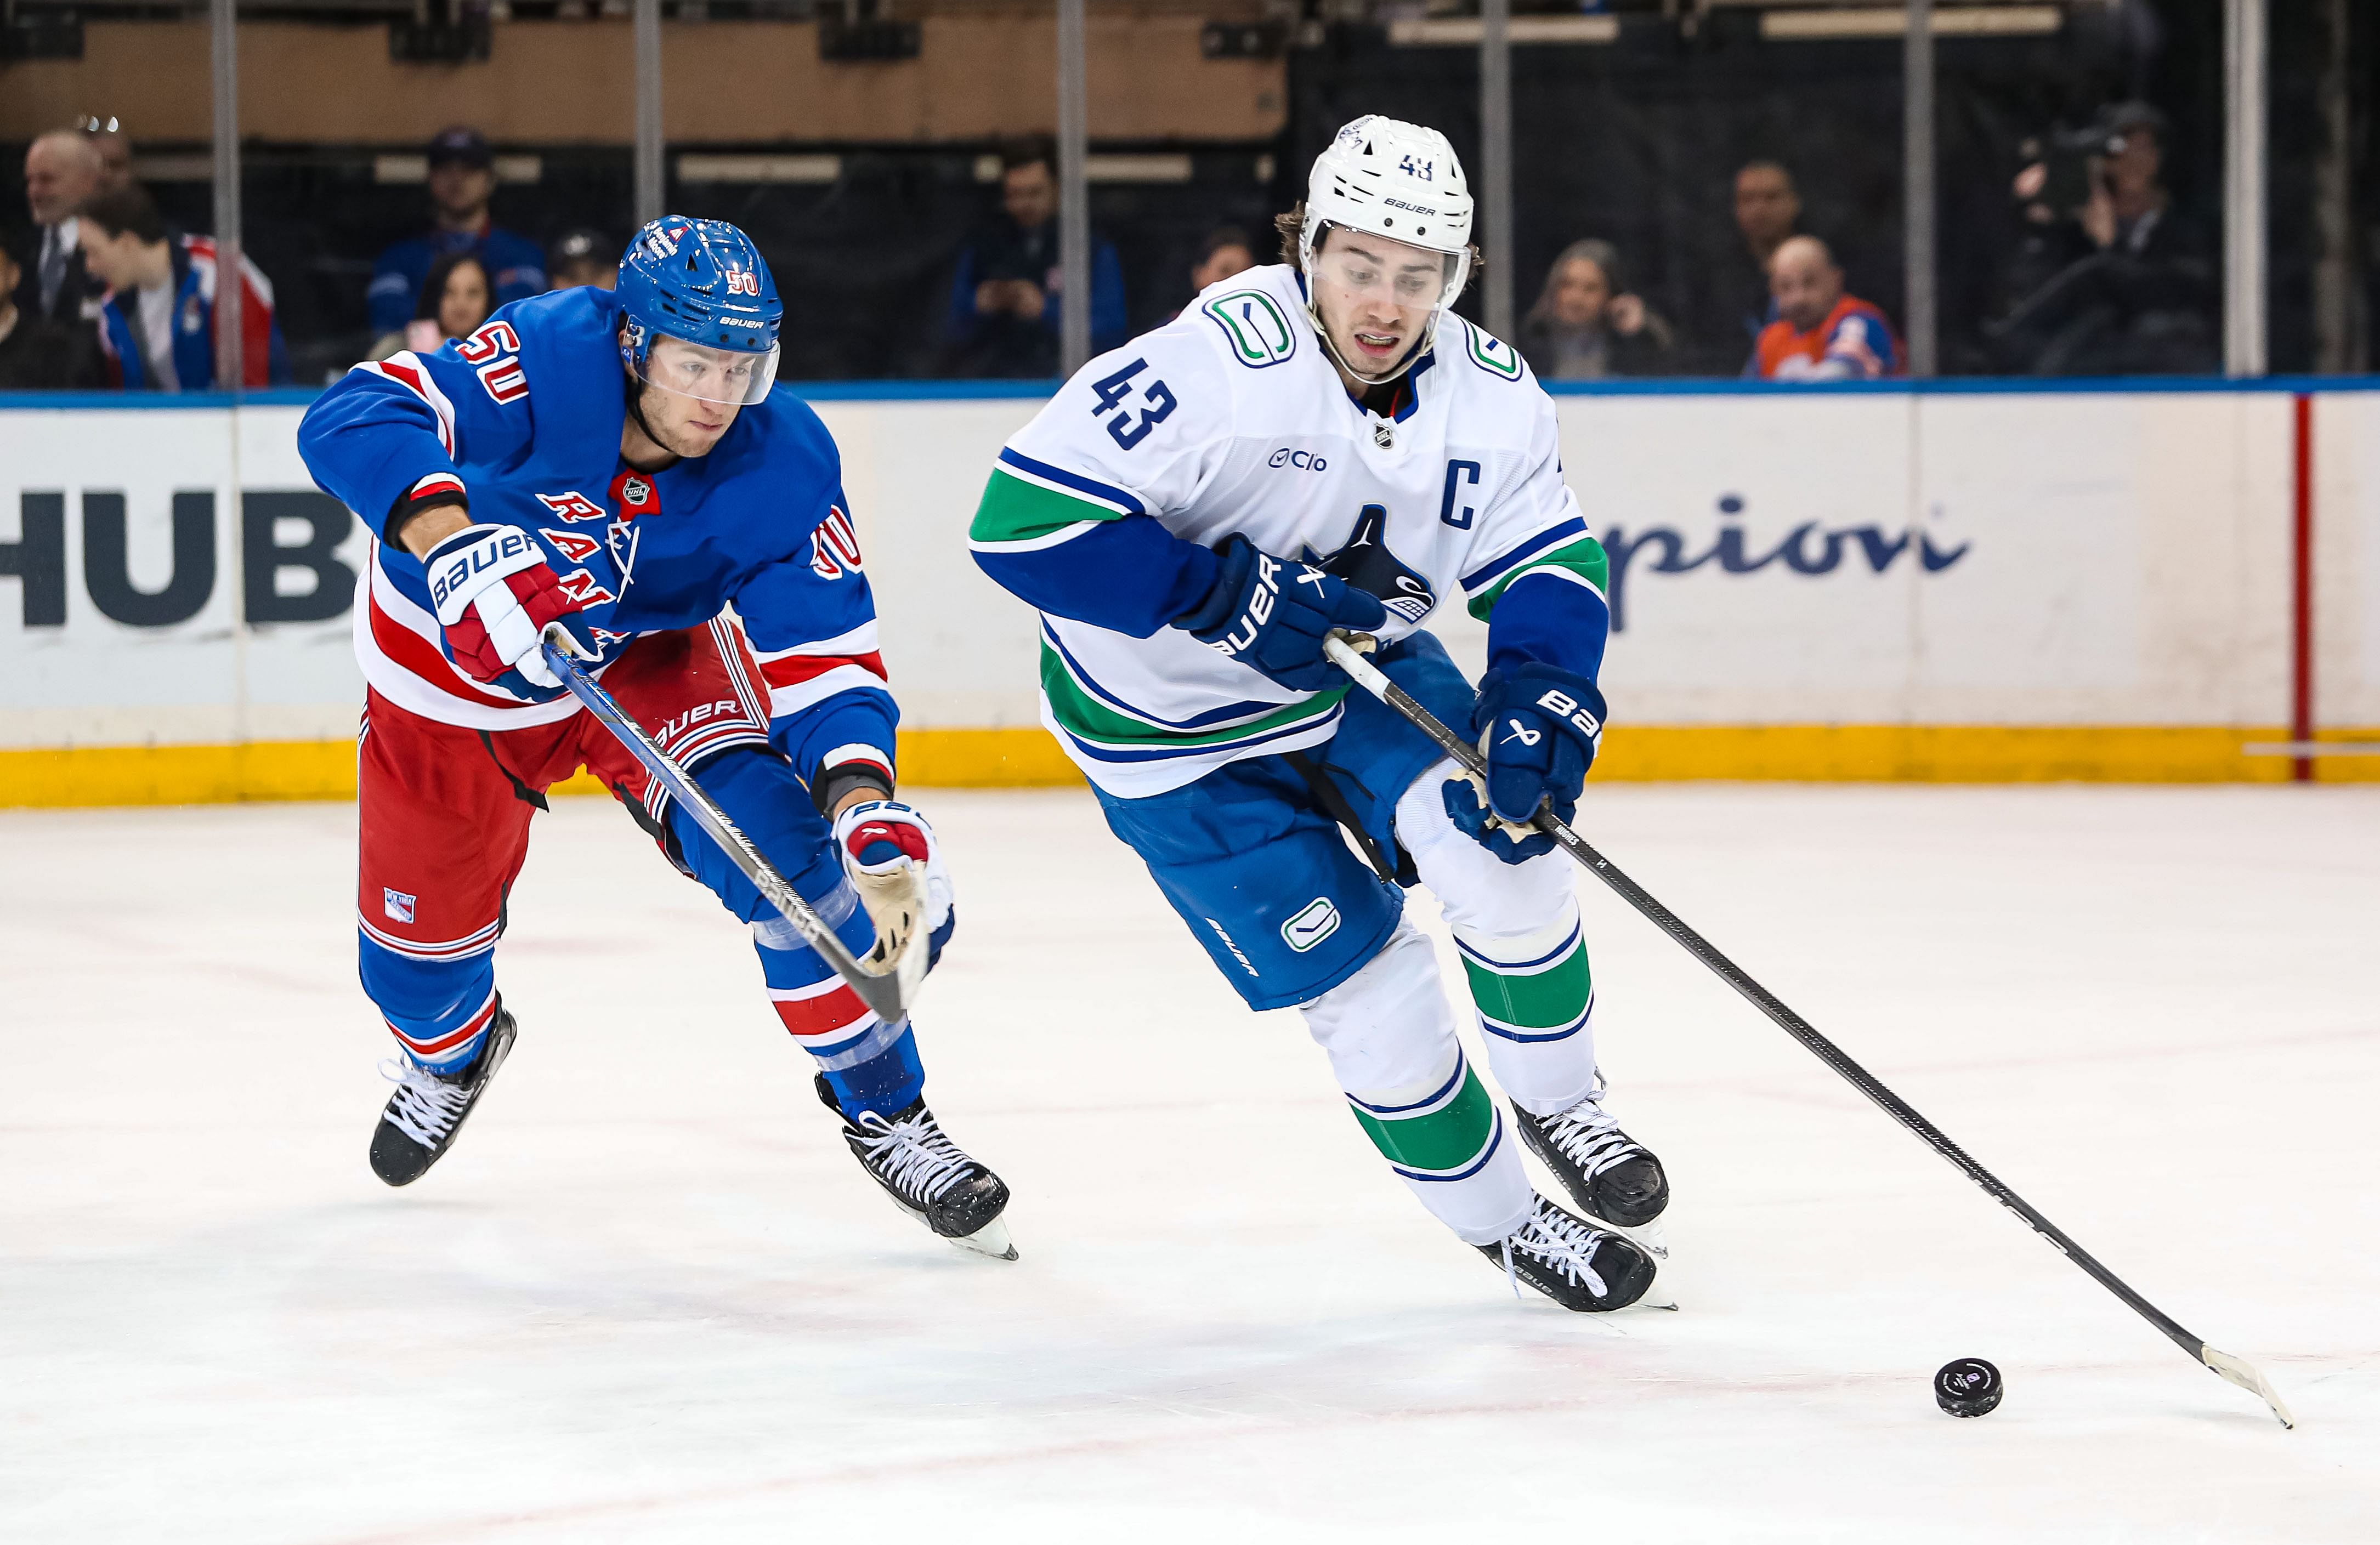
(1323, 444)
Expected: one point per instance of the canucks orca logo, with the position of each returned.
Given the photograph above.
(1365, 562)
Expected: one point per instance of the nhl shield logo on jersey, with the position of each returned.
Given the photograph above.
(1365, 562)
(635, 495)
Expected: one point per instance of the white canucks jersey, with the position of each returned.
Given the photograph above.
(1232, 419)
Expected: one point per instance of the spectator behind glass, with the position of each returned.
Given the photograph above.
(462, 180)
(36, 354)
(1004, 301)
(1225, 252)
(1583, 326)
(108, 136)
(455, 298)
(1736, 305)
(1820, 333)
(584, 256)
(157, 326)
(2110, 279)
(62, 174)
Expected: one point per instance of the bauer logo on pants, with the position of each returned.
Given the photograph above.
(1316, 922)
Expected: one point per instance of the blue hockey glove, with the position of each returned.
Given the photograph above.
(1538, 728)
(1271, 615)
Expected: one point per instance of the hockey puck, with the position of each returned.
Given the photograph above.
(1970, 1387)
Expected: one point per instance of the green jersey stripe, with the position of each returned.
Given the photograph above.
(1088, 718)
(1021, 510)
(1584, 557)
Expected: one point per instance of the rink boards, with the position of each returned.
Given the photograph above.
(1959, 582)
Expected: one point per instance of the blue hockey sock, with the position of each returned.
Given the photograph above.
(889, 1081)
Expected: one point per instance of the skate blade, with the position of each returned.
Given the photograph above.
(1647, 1237)
(991, 1240)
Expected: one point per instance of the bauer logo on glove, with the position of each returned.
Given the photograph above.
(1540, 728)
(1274, 630)
(494, 597)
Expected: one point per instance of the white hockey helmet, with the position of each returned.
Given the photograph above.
(1397, 180)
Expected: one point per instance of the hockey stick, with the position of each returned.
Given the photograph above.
(2226, 1366)
(889, 995)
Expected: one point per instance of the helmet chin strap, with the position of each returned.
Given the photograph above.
(636, 395)
(1322, 331)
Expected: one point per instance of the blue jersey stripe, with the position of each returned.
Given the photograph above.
(1075, 480)
(1486, 572)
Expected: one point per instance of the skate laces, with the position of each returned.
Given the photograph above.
(1588, 1136)
(912, 1155)
(1561, 1242)
(425, 1106)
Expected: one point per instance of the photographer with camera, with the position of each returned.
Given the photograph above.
(2110, 277)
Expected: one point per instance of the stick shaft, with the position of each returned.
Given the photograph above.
(1369, 676)
(885, 994)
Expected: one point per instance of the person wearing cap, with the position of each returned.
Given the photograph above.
(584, 256)
(2118, 281)
(36, 354)
(462, 180)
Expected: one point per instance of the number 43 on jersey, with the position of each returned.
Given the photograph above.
(1157, 401)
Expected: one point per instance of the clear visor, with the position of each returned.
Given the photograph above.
(708, 375)
(1361, 266)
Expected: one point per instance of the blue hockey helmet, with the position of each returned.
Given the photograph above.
(702, 282)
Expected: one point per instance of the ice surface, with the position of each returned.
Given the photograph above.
(650, 1298)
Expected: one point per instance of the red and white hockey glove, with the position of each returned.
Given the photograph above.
(495, 595)
(891, 859)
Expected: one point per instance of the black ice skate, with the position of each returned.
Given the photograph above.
(1611, 1176)
(928, 1176)
(1575, 1265)
(428, 1109)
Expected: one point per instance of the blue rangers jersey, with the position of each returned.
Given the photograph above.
(523, 418)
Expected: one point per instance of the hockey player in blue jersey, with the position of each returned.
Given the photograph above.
(616, 462)
(1324, 445)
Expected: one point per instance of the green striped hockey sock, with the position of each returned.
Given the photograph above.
(1536, 996)
(1390, 1034)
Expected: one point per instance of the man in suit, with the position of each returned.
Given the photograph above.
(63, 173)
(38, 355)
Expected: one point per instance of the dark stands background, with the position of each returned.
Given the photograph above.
(1636, 142)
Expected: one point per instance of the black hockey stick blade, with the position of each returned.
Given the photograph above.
(889, 994)
(1345, 650)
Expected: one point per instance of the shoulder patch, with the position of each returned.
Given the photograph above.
(1256, 327)
(1491, 354)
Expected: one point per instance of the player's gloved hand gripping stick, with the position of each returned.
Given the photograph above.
(1344, 650)
(890, 993)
